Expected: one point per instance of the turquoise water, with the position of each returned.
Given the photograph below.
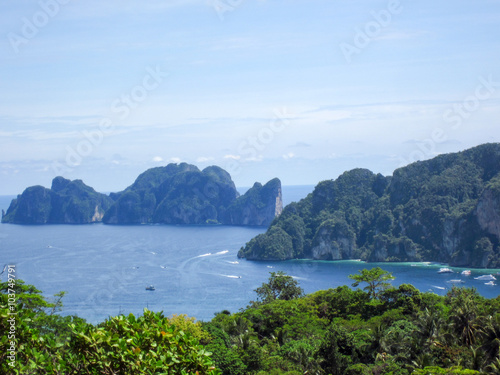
(105, 269)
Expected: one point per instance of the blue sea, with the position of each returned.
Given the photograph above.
(105, 269)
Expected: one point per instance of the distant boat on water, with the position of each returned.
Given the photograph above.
(466, 272)
(151, 287)
(492, 283)
(485, 277)
(445, 270)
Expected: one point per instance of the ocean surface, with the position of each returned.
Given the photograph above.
(105, 269)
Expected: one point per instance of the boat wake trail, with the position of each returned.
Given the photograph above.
(231, 276)
(438, 287)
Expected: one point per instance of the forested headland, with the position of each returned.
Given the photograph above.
(446, 209)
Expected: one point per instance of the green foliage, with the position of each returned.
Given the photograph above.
(279, 287)
(294, 226)
(190, 326)
(376, 278)
(338, 350)
(431, 370)
(148, 344)
(358, 369)
(335, 331)
(274, 245)
(50, 344)
(224, 354)
(464, 314)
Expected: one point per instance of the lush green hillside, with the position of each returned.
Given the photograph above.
(69, 202)
(377, 330)
(446, 209)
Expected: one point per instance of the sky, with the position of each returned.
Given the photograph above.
(302, 90)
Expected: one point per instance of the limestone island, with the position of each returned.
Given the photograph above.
(174, 194)
(446, 209)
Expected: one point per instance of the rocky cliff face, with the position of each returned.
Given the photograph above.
(258, 206)
(488, 211)
(67, 202)
(334, 241)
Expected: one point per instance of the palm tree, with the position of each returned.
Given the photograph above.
(491, 337)
(464, 318)
(476, 358)
(422, 361)
(494, 367)
(429, 324)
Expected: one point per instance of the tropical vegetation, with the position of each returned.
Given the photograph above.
(375, 329)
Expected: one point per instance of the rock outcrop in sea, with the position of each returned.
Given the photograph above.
(174, 194)
(66, 202)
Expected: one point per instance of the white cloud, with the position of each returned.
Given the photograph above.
(175, 159)
(289, 156)
(255, 159)
(233, 157)
(203, 159)
(157, 159)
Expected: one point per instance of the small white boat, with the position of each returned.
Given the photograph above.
(466, 272)
(151, 287)
(492, 283)
(455, 281)
(485, 277)
(445, 270)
